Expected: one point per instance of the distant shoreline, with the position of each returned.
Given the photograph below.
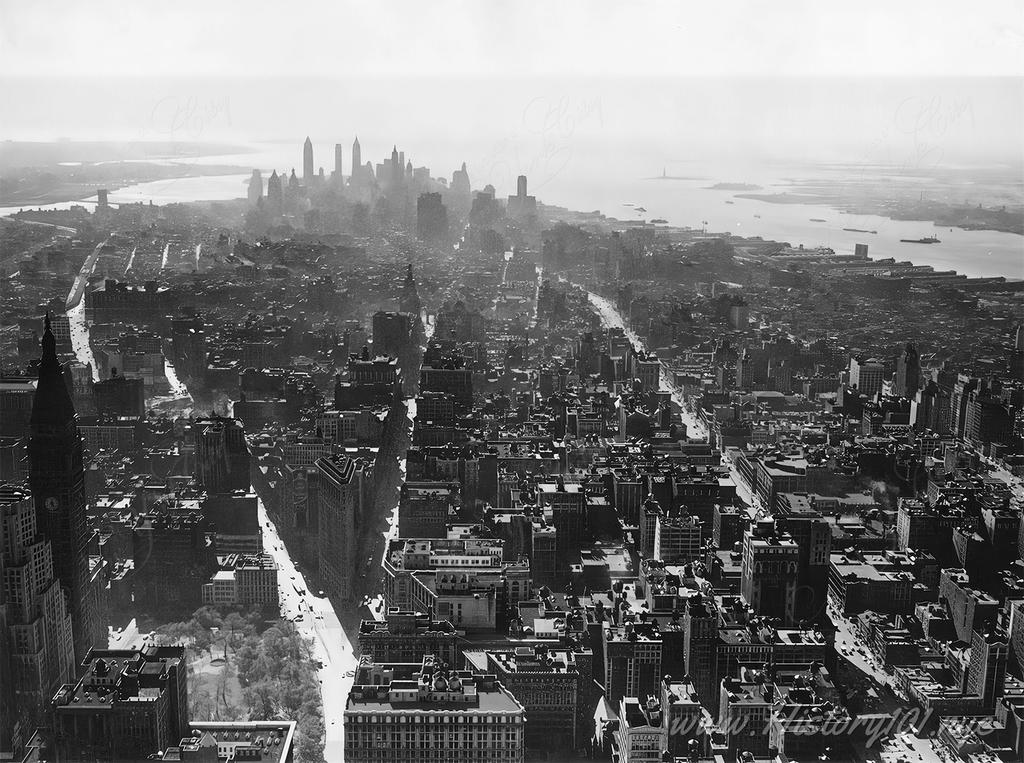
(941, 215)
(80, 191)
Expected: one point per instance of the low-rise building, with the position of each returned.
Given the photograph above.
(405, 636)
(127, 704)
(429, 712)
(244, 580)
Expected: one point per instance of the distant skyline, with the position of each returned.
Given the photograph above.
(890, 120)
(592, 89)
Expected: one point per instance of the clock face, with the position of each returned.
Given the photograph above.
(52, 503)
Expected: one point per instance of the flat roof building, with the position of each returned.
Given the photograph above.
(411, 712)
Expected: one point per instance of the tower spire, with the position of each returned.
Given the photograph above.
(49, 343)
(52, 402)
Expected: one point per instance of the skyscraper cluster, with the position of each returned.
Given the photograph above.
(392, 192)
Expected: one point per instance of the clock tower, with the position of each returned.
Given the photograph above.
(57, 481)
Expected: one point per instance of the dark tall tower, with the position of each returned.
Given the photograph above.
(431, 217)
(409, 302)
(307, 163)
(907, 379)
(700, 642)
(255, 187)
(1015, 367)
(57, 481)
(357, 157)
(396, 168)
(275, 199)
(461, 194)
(337, 162)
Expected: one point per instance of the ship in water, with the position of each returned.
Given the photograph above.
(730, 202)
(818, 220)
(925, 240)
(859, 230)
(659, 221)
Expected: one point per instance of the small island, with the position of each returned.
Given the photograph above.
(733, 187)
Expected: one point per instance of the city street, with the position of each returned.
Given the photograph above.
(333, 647)
(75, 310)
(127, 638)
(178, 401)
(848, 644)
(318, 622)
(610, 318)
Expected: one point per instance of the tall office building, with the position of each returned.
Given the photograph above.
(867, 375)
(397, 168)
(700, 639)
(521, 205)
(812, 533)
(255, 187)
(307, 163)
(986, 672)
(632, 659)
(357, 159)
(987, 418)
(907, 379)
(275, 197)
(392, 333)
(409, 301)
(36, 646)
(930, 409)
(769, 573)
(337, 162)
(222, 455)
(431, 217)
(461, 194)
(57, 480)
(340, 484)
(1015, 365)
(959, 400)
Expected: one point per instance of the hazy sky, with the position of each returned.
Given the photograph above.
(520, 37)
(907, 83)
